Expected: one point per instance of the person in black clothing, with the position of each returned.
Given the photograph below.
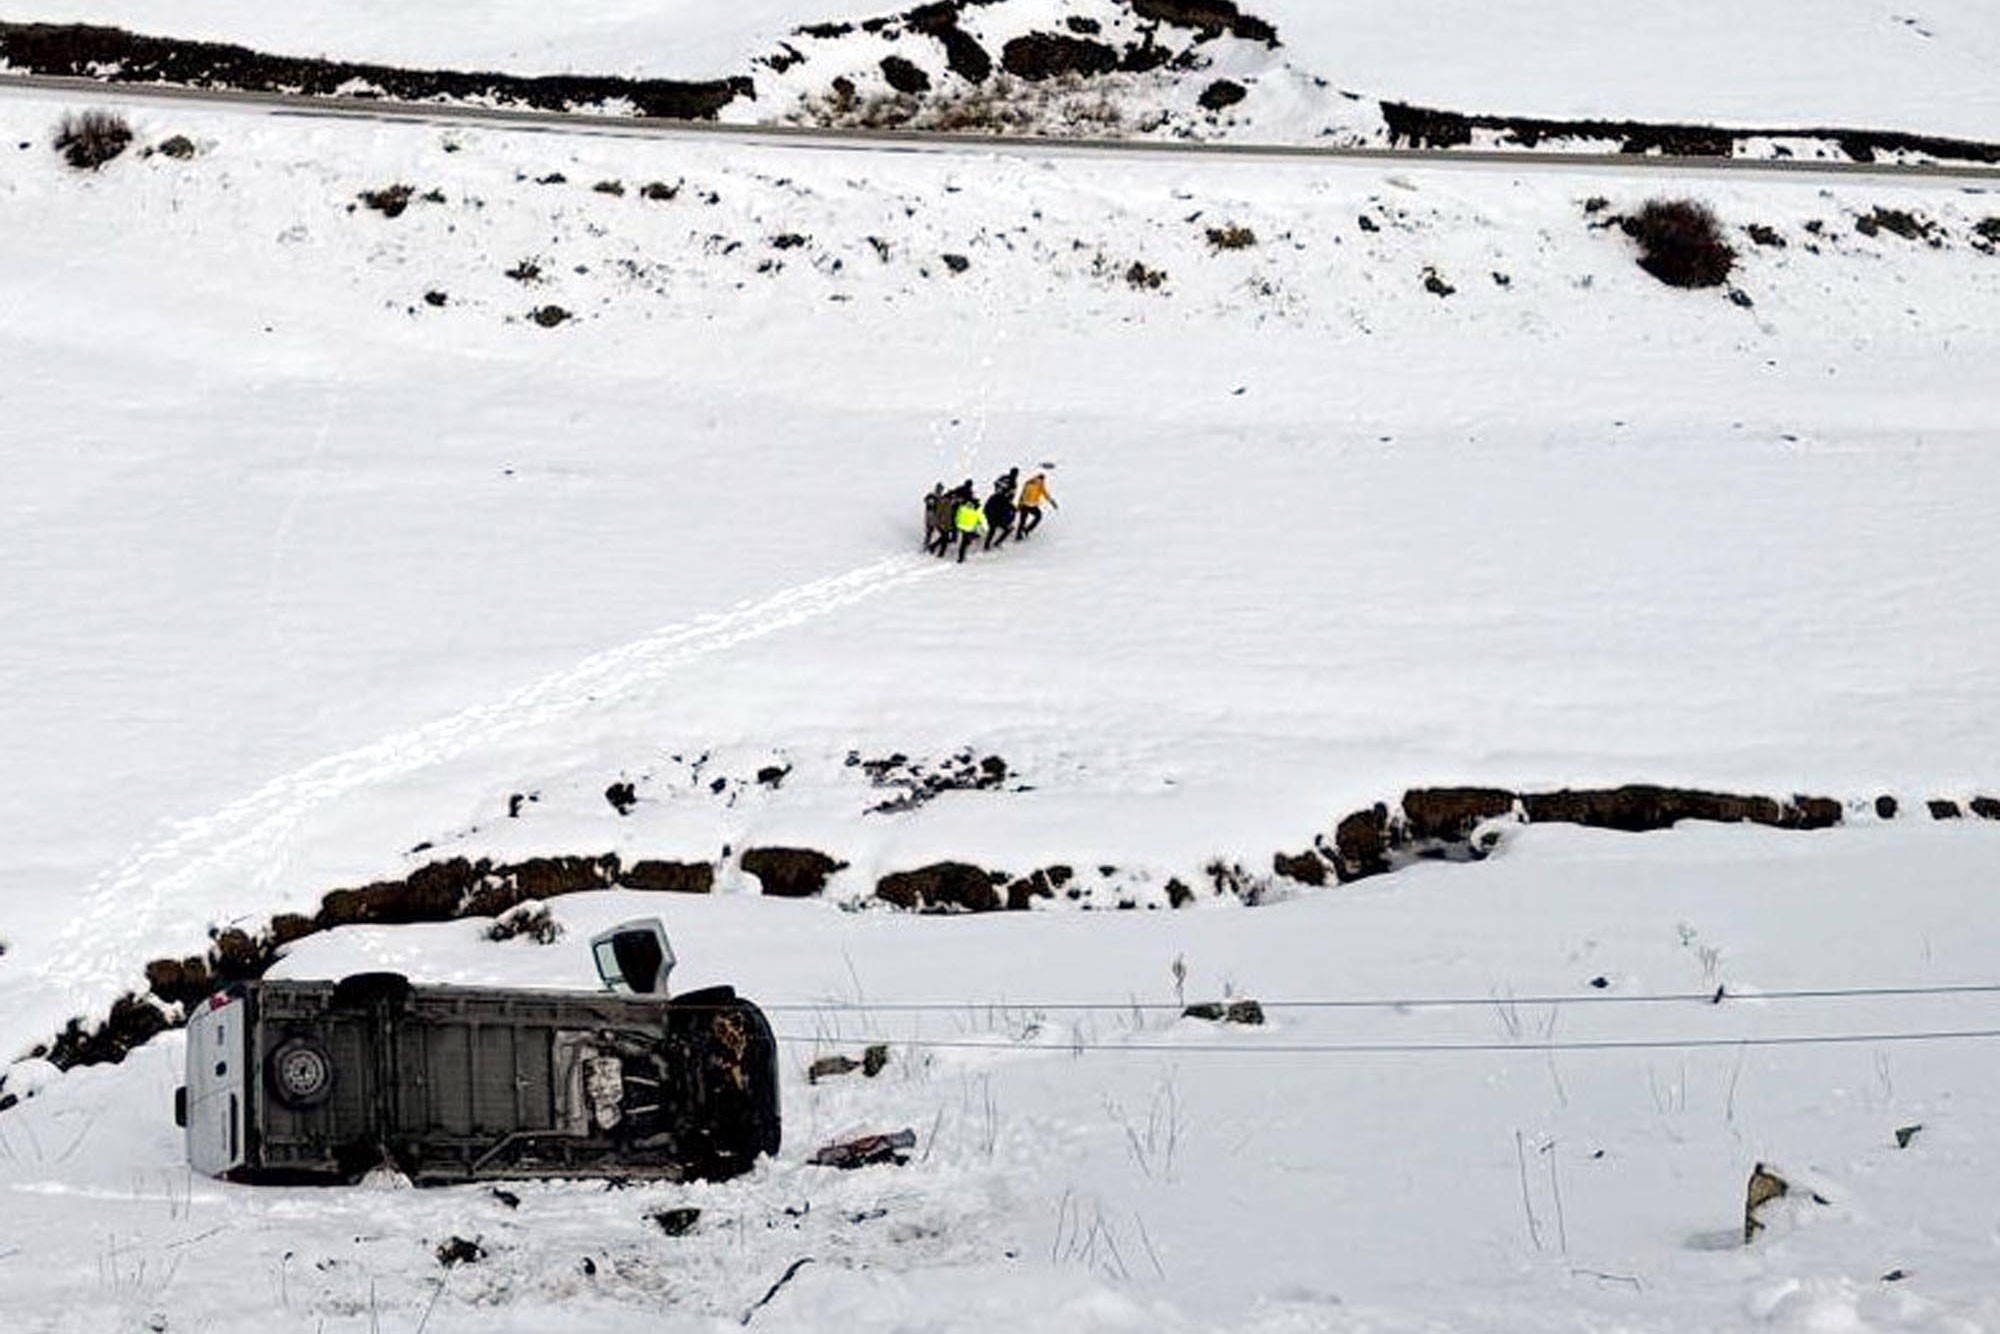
(1000, 509)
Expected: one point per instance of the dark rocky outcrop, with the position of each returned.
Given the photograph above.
(431, 894)
(1361, 844)
(1211, 18)
(1944, 810)
(1043, 884)
(791, 873)
(1308, 868)
(1221, 94)
(905, 76)
(1639, 808)
(943, 887)
(654, 877)
(114, 55)
(133, 1020)
(1049, 55)
(1451, 813)
(1986, 808)
(963, 54)
(1430, 127)
(1886, 807)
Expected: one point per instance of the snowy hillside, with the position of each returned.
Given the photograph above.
(350, 528)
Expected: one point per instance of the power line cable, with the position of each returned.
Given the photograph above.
(1392, 1003)
(1419, 1048)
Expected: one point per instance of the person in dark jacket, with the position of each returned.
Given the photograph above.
(939, 507)
(1000, 509)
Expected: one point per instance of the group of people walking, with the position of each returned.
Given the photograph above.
(1013, 510)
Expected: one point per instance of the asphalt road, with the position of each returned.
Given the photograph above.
(918, 141)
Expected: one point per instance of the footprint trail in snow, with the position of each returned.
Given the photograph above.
(121, 921)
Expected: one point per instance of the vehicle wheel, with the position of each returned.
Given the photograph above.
(363, 990)
(300, 1072)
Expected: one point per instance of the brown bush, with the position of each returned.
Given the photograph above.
(89, 139)
(1681, 244)
(390, 200)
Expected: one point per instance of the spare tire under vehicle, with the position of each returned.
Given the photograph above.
(300, 1073)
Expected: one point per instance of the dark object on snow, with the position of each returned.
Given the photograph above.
(1221, 94)
(1680, 243)
(1764, 1187)
(1945, 810)
(956, 263)
(790, 1272)
(178, 146)
(113, 55)
(676, 1222)
(790, 873)
(92, 138)
(622, 796)
(548, 316)
(1885, 807)
(905, 76)
(871, 1064)
(1435, 285)
(459, 1251)
(318, 1081)
(507, 1197)
(389, 201)
(1000, 510)
(1246, 1012)
(943, 887)
(532, 920)
(1045, 55)
(867, 1151)
(1904, 1134)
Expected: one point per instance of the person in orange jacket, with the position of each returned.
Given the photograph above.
(1028, 509)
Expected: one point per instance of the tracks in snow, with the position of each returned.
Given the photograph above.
(245, 840)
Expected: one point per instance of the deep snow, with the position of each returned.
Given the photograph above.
(1116, 1168)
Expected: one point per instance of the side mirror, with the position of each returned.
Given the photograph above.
(634, 958)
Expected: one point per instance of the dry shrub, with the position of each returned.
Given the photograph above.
(1680, 243)
(1068, 106)
(532, 920)
(390, 200)
(1231, 237)
(89, 139)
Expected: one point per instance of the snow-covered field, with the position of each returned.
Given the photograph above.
(1865, 63)
(1116, 1168)
(305, 570)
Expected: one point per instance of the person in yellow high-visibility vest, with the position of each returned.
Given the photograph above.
(1034, 495)
(970, 522)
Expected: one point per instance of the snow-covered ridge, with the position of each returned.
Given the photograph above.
(1148, 69)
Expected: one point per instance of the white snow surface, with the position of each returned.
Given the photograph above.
(304, 571)
(1865, 63)
(1119, 1168)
